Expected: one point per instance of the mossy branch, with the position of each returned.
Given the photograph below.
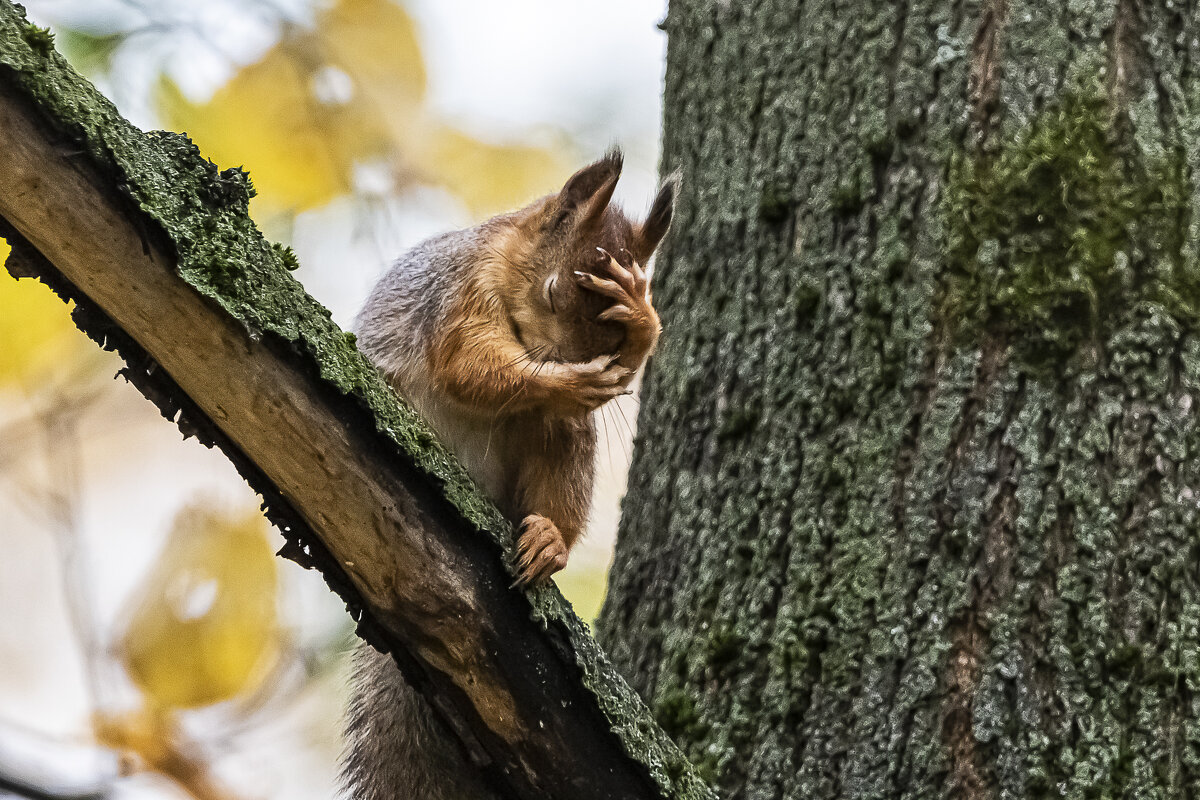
(153, 244)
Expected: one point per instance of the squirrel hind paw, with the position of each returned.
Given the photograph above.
(541, 552)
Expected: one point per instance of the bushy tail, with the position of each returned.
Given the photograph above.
(395, 750)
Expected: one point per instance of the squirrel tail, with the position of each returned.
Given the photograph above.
(396, 750)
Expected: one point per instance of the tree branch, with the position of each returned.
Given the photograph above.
(154, 246)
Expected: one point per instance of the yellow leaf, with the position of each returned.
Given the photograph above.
(36, 332)
(492, 178)
(262, 120)
(318, 104)
(203, 628)
(375, 42)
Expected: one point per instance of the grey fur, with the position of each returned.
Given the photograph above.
(396, 324)
(395, 749)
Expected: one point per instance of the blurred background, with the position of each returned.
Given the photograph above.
(151, 645)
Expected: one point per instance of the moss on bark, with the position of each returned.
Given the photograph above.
(1062, 227)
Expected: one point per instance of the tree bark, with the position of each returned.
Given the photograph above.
(913, 504)
(154, 246)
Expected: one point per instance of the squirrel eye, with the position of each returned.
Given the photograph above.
(548, 292)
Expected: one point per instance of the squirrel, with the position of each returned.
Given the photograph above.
(506, 337)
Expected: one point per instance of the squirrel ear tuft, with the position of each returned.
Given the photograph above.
(647, 235)
(590, 189)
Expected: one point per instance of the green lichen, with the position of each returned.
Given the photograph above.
(287, 256)
(679, 715)
(40, 39)
(676, 713)
(1062, 228)
(725, 646)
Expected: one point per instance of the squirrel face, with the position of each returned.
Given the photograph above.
(562, 234)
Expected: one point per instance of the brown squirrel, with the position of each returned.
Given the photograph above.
(506, 337)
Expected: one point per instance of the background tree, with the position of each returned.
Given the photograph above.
(913, 506)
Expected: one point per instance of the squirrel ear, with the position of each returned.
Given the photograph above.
(590, 189)
(647, 235)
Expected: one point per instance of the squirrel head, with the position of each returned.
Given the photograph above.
(559, 235)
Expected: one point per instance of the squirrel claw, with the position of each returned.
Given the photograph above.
(628, 287)
(601, 286)
(632, 278)
(541, 551)
(617, 313)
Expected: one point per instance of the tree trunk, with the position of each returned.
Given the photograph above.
(914, 501)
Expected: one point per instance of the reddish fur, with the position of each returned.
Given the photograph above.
(539, 366)
(462, 327)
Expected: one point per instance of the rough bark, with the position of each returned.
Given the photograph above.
(153, 245)
(913, 505)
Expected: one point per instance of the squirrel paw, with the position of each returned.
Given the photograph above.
(629, 288)
(541, 551)
(590, 384)
(600, 380)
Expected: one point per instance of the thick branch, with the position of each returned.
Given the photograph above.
(153, 244)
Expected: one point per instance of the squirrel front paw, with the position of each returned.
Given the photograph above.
(629, 289)
(585, 386)
(541, 551)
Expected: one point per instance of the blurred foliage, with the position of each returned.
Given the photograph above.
(333, 109)
(203, 628)
(585, 588)
(89, 53)
(160, 745)
(37, 333)
(491, 178)
(345, 98)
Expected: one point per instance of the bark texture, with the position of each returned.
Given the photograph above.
(153, 245)
(913, 508)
